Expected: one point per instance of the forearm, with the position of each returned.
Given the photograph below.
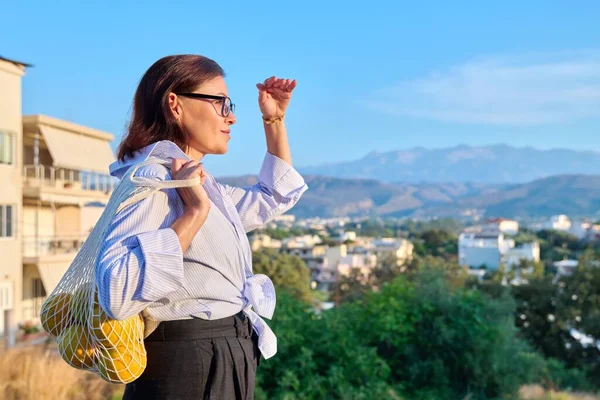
(187, 226)
(277, 141)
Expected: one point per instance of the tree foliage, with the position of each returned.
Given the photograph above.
(551, 313)
(418, 337)
(286, 271)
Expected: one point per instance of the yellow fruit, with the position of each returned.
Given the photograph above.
(110, 332)
(55, 315)
(80, 303)
(122, 364)
(76, 347)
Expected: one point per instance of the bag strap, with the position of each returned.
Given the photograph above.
(157, 185)
(152, 186)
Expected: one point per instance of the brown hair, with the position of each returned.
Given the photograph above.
(152, 119)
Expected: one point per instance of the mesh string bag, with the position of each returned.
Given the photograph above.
(87, 338)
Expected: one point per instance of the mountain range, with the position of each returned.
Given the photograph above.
(498, 181)
(575, 195)
(489, 164)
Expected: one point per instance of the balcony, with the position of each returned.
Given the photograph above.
(32, 308)
(49, 183)
(59, 248)
(65, 162)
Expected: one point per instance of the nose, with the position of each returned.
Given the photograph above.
(231, 119)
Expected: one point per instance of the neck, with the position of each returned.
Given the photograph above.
(193, 153)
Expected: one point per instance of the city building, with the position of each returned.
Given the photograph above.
(11, 195)
(490, 250)
(382, 248)
(565, 267)
(507, 226)
(57, 184)
(558, 223)
(262, 240)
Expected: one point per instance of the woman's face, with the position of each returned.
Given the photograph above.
(203, 120)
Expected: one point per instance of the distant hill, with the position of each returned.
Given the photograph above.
(330, 197)
(489, 164)
(565, 194)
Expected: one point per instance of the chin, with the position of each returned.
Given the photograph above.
(221, 150)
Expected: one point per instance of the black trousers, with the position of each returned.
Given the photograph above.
(199, 359)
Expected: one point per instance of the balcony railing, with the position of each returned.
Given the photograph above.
(48, 176)
(37, 246)
(32, 308)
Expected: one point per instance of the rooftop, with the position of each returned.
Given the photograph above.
(31, 121)
(20, 63)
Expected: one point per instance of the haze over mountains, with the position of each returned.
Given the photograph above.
(490, 164)
(500, 180)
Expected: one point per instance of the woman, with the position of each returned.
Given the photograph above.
(182, 256)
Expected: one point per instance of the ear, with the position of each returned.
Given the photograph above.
(175, 106)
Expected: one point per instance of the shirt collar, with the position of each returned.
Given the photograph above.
(164, 150)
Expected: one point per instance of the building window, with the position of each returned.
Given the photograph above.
(38, 289)
(7, 221)
(7, 149)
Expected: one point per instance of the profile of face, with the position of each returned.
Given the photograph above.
(206, 115)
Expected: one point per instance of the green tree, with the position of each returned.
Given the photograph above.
(436, 242)
(418, 338)
(320, 356)
(278, 233)
(446, 224)
(351, 287)
(548, 311)
(286, 271)
(281, 233)
(528, 269)
(386, 270)
(450, 341)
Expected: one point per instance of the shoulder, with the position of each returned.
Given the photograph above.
(157, 172)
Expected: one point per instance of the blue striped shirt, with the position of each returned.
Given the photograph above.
(142, 268)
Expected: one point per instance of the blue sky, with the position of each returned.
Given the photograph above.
(374, 76)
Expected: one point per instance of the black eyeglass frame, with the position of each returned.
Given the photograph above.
(212, 97)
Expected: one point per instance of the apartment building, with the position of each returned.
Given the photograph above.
(382, 248)
(489, 249)
(507, 226)
(66, 184)
(558, 222)
(56, 186)
(314, 255)
(11, 125)
(262, 240)
(364, 262)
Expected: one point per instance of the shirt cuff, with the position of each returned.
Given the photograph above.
(279, 176)
(163, 263)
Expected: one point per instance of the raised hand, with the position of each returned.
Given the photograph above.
(274, 96)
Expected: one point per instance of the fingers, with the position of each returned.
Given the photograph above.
(291, 86)
(193, 168)
(277, 83)
(269, 81)
(176, 164)
(198, 170)
(183, 169)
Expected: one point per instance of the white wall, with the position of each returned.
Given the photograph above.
(477, 256)
(10, 176)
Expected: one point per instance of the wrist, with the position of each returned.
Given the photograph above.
(196, 212)
(268, 120)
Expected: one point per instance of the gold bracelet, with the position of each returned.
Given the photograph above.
(273, 120)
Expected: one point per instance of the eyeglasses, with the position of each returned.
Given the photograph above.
(227, 106)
